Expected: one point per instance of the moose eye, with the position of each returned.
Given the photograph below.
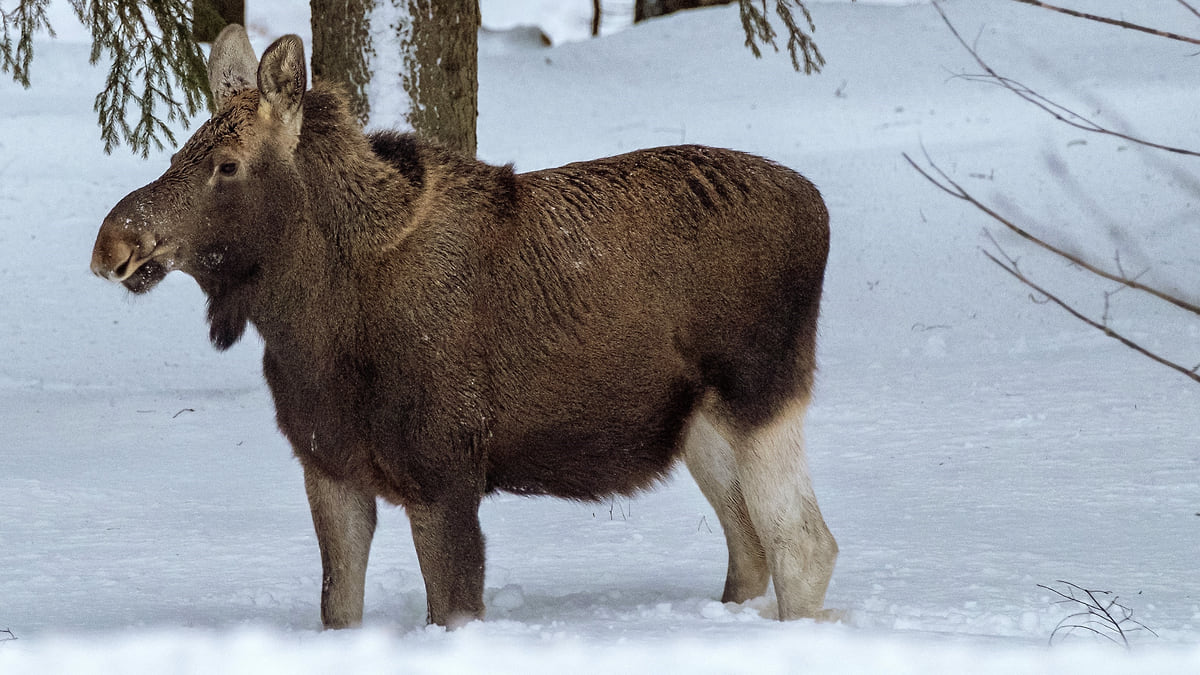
(227, 168)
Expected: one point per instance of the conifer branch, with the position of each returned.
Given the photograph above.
(154, 61)
(800, 43)
(26, 19)
(156, 74)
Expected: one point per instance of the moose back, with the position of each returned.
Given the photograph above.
(436, 329)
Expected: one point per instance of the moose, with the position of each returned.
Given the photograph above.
(436, 328)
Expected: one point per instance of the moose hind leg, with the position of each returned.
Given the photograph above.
(775, 481)
(450, 550)
(344, 519)
(711, 461)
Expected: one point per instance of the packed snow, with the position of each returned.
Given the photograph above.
(968, 443)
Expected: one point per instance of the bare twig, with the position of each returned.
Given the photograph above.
(1104, 617)
(1020, 276)
(943, 182)
(952, 188)
(1058, 111)
(1113, 22)
(1190, 8)
(615, 507)
(6, 632)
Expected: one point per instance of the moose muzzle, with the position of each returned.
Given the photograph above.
(127, 251)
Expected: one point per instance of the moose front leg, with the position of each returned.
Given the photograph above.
(344, 519)
(450, 550)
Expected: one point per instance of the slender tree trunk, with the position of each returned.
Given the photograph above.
(341, 42)
(441, 70)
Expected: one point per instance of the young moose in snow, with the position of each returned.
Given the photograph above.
(436, 328)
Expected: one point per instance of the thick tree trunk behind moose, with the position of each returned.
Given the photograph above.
(436, 43)
(441, 70)
(340, 44)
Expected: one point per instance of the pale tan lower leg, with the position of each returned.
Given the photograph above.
(775, 481)
(710, 460)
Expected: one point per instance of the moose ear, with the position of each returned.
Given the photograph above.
(282, 78)
(231, 65)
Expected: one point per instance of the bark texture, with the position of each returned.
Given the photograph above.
(441, 73)
(648, 9)
(210, 16)
(341, 47)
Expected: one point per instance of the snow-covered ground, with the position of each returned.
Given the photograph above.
(967, 444)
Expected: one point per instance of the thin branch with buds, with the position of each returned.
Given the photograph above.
(1010, 266)
(942, 181)
(1058, 111)
(1190, 8)
(954, 189)
(1114, 22)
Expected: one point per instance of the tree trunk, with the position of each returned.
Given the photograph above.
(441, 71)
(210, 16)
(384, 51)
(647, 9)
(341, 41)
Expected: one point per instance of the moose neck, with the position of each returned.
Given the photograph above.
(357, 201)
(354, 204)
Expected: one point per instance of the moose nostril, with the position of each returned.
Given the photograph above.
(114, 259)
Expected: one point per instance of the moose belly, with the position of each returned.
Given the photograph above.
(612, 446)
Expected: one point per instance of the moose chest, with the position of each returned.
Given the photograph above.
(400, 423)
(328, 412)
(319, 414)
